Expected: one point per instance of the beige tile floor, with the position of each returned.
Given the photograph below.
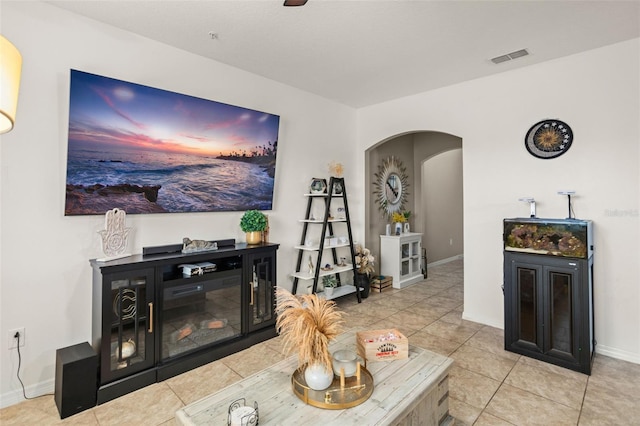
(488, 386)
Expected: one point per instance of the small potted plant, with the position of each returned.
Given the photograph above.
(253, 223)
(329, 282)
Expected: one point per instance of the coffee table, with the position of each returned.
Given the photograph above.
(412, 391)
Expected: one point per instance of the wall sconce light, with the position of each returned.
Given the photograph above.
(10, 67)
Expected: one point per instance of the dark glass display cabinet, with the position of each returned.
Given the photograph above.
(152, 321)
(548, 291)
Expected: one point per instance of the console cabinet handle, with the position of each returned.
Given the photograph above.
(150, 317)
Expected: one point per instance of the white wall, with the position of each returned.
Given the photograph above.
(597, 94)
(442, 206)
(45, 281)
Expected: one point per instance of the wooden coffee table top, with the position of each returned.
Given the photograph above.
(397, 385)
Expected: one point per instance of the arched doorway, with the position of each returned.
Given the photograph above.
(435, 156)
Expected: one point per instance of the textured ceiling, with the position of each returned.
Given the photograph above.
(364, 52)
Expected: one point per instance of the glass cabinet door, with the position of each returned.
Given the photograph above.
(527, 309)
(261, 290)
(127, 336)
(560, 317)
(405, 253)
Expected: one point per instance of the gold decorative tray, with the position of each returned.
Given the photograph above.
(335, 397)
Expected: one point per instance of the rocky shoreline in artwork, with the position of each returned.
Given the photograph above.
(97, 199)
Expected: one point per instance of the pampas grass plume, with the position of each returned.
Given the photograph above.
(307, 324)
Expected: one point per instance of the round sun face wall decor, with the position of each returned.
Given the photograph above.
(548, 139)
(391, 186)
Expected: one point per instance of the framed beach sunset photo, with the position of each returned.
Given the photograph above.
(147, 150)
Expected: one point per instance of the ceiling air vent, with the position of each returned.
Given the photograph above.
(509, 56)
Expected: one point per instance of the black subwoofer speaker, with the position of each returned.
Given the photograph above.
(76, 379)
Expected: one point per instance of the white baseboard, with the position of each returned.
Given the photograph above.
(33, 391)
(443, 261)
(618, 354)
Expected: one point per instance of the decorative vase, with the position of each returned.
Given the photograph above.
(318, 377)
(328, 291)
(406, 227)
(397, 228)
(254, 237)
(363, 282)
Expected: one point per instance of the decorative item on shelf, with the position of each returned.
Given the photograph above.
(401, 222)
(307, 323)
(253, 223)
(336, 169)
(391, 182)
(407, 215)
(241, 414)
(318, 186)
(330, 241)
(114, 235)
(338, 189)
(128, 350)
(194, 246)
(364, 268)
(330, 215)
(312, 268)
(329, 282)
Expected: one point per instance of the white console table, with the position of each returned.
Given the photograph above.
(400, 258)
(412, 391)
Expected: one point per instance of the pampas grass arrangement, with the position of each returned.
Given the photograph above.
(307, 324)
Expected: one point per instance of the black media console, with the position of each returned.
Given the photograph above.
(154, 319)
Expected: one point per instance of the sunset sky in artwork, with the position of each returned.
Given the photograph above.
(118, 114)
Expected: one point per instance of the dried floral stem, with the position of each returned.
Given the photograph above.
(307, 324)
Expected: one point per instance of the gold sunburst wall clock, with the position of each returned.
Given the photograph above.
(548, 139)
(391, 186)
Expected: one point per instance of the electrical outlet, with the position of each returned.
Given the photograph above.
(450, 241)
(13, 341)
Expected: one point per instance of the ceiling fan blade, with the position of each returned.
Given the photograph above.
(294, 2)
